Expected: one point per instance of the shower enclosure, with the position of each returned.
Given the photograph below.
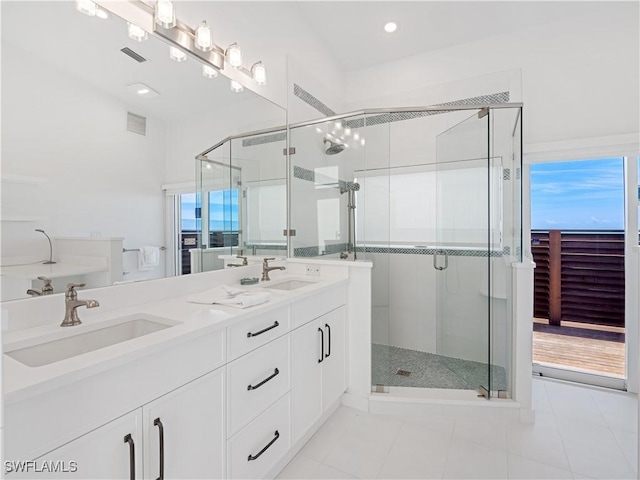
(432, 197)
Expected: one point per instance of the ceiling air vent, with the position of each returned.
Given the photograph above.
(136, 124)
(136, 56)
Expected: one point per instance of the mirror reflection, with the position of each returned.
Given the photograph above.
(99, 137)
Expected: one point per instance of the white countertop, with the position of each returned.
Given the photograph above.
(62, 269)
(21, 381)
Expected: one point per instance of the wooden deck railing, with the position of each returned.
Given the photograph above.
(579, 276)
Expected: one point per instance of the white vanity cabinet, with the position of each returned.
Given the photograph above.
(318, 368)
(184, 431)
(113, 451)
(179, 435)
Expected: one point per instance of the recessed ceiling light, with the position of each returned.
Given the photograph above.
(390, 27)
(142, 90)
(102, 14)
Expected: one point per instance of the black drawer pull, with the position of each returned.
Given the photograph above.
(275, 324)
(132, 456)
(257, 455)
(158, 424)
(326, 325)
(321, 359)
(275, 374)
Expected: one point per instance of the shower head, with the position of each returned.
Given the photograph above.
(333, 147)
(350, 187)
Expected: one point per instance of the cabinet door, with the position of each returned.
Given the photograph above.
(333, 367)
(104, 453)
(184, 431)
(307, 359)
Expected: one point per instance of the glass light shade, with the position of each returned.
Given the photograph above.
(204, 37)
(136, 33)
(209, 72)
(87, 7)
(259, 73)
(165, 14)
(236, 86)
(177, 55)
(102, 14)
(234, 55)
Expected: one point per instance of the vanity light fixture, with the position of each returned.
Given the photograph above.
(136, 33)
(259, 73)
(390, 27)
(203, 37)
(177, 55)
(209, 72)
(234, 55)
(165, 14)
(87, 7)
(236, 87)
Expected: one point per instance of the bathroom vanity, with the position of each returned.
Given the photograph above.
(184, 390)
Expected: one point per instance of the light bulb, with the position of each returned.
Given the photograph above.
(234, 55)
(143, 91)
(259, 73)
(236, 86)
(136, 33)
(87, 7)
(165, 14)
(204, 37)
(177, 55)
(209, 72)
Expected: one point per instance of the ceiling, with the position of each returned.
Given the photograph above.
(352, 31)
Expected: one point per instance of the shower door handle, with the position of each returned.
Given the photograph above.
(436, 254)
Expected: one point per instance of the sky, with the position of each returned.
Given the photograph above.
(218, 213)
(578, 195)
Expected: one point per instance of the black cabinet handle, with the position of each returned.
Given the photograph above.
(275, 324)
(158, 424)
(326, 325)
(132, 456)
(257, 455)
(321, 359)
(273, 375)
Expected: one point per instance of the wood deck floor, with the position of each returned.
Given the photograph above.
(583, 348)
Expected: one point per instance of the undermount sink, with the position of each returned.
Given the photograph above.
(119, 330)
(289, 285)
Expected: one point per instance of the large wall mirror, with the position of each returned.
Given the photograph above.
(99, 138)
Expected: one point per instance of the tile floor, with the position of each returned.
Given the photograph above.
(579, 433)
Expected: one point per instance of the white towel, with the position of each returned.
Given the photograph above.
(230, 296)
(148, 258)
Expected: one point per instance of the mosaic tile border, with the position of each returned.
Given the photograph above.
(506, 174)
(314, 251)
(311, 176)
(262, 139)
(264, 246)
(306, 97)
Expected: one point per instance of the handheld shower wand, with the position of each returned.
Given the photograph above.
(50, 262)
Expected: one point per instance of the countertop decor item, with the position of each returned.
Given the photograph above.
(249, 281)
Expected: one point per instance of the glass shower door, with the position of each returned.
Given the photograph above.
(461, 258)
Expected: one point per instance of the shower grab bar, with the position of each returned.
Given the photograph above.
(436, 254)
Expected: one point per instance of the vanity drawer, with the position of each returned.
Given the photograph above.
(255, 450)
(316, 306)
(255, 332)
(256, 381)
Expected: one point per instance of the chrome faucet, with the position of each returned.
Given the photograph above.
(266, 269)
(244, 263)
(47, 288)
(72, 303)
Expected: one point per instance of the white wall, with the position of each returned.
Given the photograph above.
(97, 178)
(579, 77)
